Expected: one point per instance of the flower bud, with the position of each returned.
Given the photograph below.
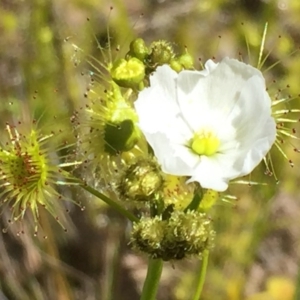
(142, 181)
(128, 73)
(182, 235)
(147, 235)
(192, 233)
(161, 53)
(176, 65)
(138, 49)
(186, 60)
(182, 62)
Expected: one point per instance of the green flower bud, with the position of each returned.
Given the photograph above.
(147, 235)
(182, 235)
(120, 137)
(138, 49)
(186, 60)
(176, 65)
(182, 62)
(161, 53)
(128, 73)
(141, 181)
(191, 232)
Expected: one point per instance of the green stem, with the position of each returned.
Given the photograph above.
(111, 203)
(297, 292)
(151, 283)
(202, 275)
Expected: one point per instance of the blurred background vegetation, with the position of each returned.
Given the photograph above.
(257, 247)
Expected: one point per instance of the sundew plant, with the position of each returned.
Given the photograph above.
(152, 146)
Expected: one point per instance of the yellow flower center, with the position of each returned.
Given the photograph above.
(205, 142)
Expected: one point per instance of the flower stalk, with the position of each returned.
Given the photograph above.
(151, 283)
(202, 275)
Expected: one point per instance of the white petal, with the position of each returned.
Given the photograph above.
(174, 159)
(209, 173)
(205, 99)
(255, 130)
(157, 104)
(261, 145)
(210, 65)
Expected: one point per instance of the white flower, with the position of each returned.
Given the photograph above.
(213, 125)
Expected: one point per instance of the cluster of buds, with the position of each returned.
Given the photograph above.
(173, 231)
(159, 53)
(133, 70)
(183, 234)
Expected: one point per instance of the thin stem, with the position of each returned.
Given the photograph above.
(151, 283)
(297, 292)
(202, 275)
(195, 202)
(118, 207)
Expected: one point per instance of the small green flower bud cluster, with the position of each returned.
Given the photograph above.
(158, 53)
(182, 62)
(182, 235)
(162, 52)
(141, 181)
